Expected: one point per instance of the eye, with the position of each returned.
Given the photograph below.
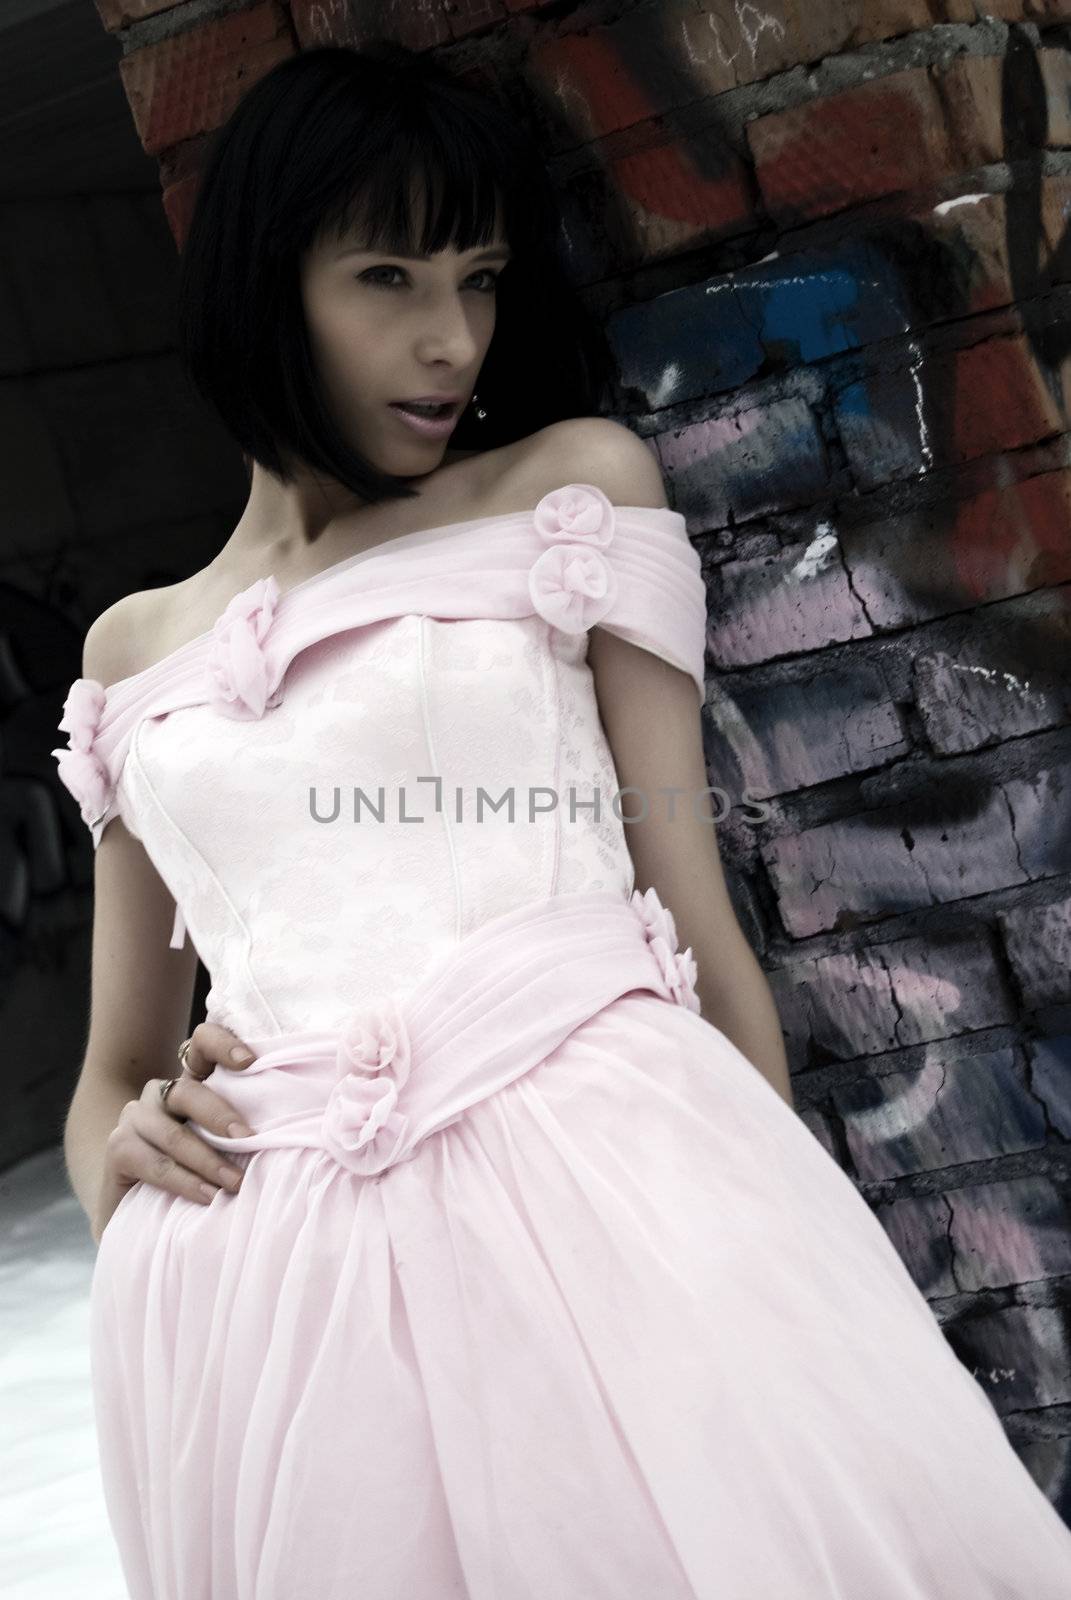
(367, 277)
(378, 283)
(485, 272)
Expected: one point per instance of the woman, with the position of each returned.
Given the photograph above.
(529, 1280)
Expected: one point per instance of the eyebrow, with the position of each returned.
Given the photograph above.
(499, 252)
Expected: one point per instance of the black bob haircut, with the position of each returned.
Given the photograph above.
(335, 137)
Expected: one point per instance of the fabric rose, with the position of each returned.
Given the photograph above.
(361, 1126)
(239, 679)
(571, 584)
(81, 770)
(572, 587)
(579, 513)
(678, 968)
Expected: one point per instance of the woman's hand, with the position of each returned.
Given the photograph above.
(149, 1145)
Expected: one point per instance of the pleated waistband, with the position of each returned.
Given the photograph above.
(402, 1067)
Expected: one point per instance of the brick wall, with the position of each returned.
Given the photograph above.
(831, 245)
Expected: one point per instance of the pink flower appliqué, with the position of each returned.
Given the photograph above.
(678, 968)
(579, 513)
(572, 588)
(81, 770)
(239, 679)
(361, 1125)
(571, 584)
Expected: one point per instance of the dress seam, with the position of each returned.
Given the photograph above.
(134, 753)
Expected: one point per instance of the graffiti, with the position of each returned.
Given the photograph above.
(898, 496)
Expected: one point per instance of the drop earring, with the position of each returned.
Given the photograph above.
(480, 412)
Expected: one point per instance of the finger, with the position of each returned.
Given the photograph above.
(186, 1152)
(190, 1098)
(173, 1159)
(211, 1045)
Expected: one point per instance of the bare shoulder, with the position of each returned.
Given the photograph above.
(115, 644)
(595, 450)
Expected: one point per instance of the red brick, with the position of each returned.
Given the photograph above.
(1005, 399)
(179, 198)
(981, 230)
(185, 160)
(593, 84)
(679, 54)
(319, 22)
(1055, 211)
(121, 13)
(1029, 10)
(900, 132)
(977, 400)
(191, 83)
(973, 229)
(676, 200)
(652, 200)
(936, 559)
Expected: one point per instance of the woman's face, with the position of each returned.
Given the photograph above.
(386, 327)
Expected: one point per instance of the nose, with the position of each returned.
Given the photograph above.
(448, 331)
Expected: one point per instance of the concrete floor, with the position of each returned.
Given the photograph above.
(55, 1540)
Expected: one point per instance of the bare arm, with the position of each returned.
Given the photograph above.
(140, 1007)
(652, 720)
(651, 716)
(141, 994)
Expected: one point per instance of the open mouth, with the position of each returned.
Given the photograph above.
(416, 409)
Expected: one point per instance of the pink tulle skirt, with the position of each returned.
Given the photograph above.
(609, 1326)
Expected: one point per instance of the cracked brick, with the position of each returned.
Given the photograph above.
(955, 554)
(981, 695)
(1003, 400)
(905, 992)
(1038, 941)
(890, 860)
(950, 1110)
(1050, 1079)
(781, 604)
(735, 467)
(775, 738)
(1012, 1232)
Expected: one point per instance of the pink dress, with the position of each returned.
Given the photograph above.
(535, 1288)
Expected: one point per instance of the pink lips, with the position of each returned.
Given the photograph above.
(428, 427)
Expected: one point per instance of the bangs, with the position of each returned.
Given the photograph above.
(421, 194)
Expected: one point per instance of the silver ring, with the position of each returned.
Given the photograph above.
(166, 1086)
